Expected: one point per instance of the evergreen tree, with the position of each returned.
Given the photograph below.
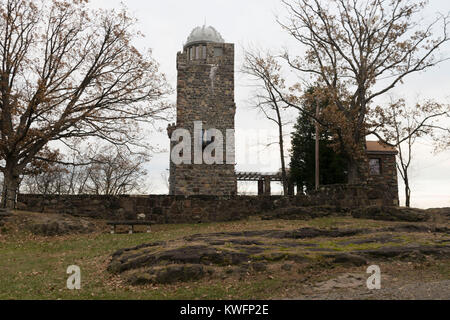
(333, 166)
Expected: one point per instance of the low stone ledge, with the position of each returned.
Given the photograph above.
(391, 214)
(202, 208)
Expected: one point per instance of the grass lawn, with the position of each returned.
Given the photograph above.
(33, 267)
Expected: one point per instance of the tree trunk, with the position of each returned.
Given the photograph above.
(281, 144)
(11, 185)
(407, 193)
(358, 166)
(3, 194)
(283, 164)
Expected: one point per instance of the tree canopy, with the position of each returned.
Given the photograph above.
(69, 72)
(333, 165)
(358, 50)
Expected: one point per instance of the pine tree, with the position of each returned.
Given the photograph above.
(333, 166)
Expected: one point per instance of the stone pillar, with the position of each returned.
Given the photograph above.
(267, 186)
(260, 187)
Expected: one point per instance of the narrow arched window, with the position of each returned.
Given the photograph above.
(197, 52)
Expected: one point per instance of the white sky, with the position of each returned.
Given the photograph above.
(167, 24)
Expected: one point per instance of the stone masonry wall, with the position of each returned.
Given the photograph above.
(205, 92)
(388, 175)
(193, 209)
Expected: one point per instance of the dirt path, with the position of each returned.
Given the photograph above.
(352, 286)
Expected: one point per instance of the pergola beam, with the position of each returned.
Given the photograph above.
(257, 176)
(264, 180)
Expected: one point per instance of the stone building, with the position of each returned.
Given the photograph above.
(383, 168)
(205, 95)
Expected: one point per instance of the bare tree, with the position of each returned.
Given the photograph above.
(266, 71)
(51, 181)
(67, 72)
(77, 178)
(107, 170)
(116, 172)
(401, 126)
(359, 50)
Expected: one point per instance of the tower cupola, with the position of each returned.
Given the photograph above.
(203, 34)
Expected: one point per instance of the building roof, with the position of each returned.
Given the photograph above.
(379, 147)
(204, 34)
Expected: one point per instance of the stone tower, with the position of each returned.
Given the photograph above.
(205, 94)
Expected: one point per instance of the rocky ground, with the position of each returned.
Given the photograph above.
(305, 254)
(293, 253)
(351, 287)
(49, 224)
(383, 213)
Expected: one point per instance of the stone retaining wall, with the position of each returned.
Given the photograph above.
(193, 209)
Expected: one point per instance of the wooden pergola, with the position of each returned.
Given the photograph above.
(264, 180)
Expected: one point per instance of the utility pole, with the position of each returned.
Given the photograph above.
(317, 146)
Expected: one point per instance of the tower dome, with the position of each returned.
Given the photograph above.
(204, 34)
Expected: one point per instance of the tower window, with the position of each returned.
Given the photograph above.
(204, 52)
(197, 52)
(218, 52)
(374, 167)
(191, 53)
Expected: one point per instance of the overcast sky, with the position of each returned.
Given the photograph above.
(167, 24)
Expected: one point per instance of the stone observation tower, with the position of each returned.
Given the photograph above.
(205, 96)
